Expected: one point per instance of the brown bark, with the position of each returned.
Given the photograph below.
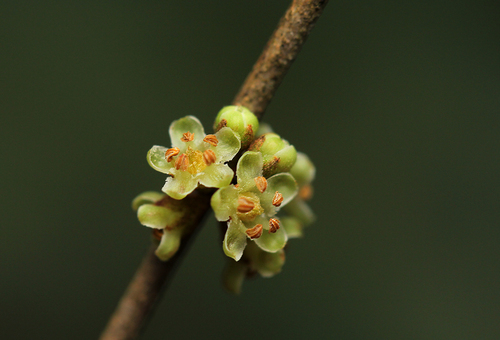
(278, 55)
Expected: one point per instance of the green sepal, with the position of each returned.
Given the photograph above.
(287, 157)
(145, 198)
(157, 217)
(169, 244)
(277, 154)
(303, 170)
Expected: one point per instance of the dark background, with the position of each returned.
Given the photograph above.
(397, 103)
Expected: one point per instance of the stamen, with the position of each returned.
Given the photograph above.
(244, 205)
(261, 183)
(209, 157)
(254, 232)
(306, 192)
(211, 139)
(277, 199)
(182, 162)
(274, 225)
(171, 153)
(187, 137)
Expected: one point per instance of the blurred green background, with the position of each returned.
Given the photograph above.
(397, 103)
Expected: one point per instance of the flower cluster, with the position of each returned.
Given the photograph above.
(269, 176)
(250, 207)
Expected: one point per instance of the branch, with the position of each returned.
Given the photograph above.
(256, 92)
(278, 55)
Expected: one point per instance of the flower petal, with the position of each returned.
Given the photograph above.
(249, 166)
(181, 185)
(169, 244)
(216, 176)
(285, 184)
(272, 242)
(156, 159)
(145, 198)
(224, 202)
(183, 125)
(235, 239)
(228, 146)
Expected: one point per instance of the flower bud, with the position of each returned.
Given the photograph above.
(270, 264)
(303, 170)
(293, 226)
(240, 120)
(278, 155)
(265, 263)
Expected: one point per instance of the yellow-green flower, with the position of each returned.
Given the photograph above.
(250, 207)
(194, 157)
